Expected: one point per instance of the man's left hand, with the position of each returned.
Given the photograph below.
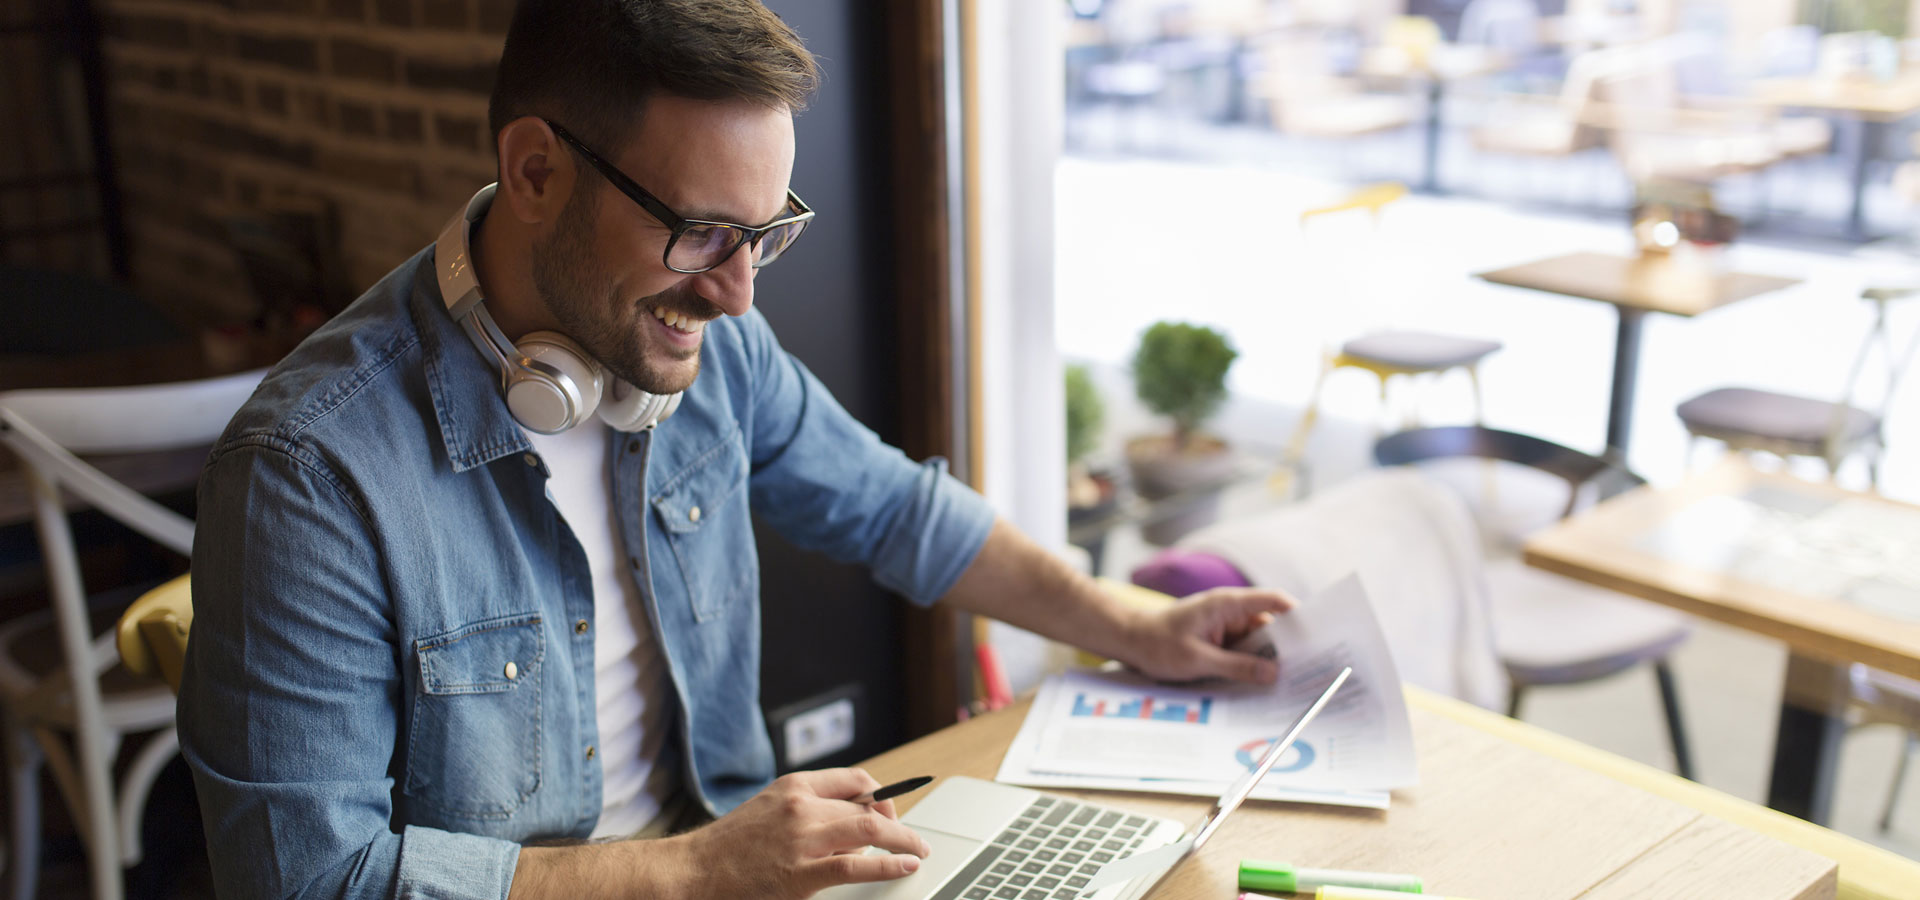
(1188, 640)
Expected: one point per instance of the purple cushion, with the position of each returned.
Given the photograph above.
(1182, 572)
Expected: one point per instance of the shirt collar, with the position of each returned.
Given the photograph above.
(464, 387)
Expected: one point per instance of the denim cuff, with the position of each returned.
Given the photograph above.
(935, 538)
(444, 865)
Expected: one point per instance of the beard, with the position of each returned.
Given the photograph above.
(618, 333)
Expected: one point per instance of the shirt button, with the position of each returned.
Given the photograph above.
(580, 627)
(532, 460)
(589, 751)
(513, 671)
(634, 562)
(693, 515)
(633, 446)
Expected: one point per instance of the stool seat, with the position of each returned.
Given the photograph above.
(1742, 415)
(1418, 350)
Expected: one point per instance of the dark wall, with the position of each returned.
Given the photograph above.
(827, 626)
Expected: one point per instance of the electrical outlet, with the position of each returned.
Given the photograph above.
(819, 732)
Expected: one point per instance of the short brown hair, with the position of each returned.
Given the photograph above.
(591, 64)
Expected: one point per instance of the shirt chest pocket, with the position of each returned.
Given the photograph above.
(703, 512)
(473, 746)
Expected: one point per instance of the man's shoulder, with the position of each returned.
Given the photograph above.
(349, 377)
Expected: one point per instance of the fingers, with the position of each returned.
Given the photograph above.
(1238, 666)
(856, 868)
(1244, 603)
(885, 808)
(868, 829)
(837, 784)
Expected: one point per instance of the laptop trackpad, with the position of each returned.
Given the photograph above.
(950, 852)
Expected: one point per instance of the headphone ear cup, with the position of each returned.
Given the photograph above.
(628, 408)
(558, 385)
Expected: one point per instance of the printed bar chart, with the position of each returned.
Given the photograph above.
(1143, 707)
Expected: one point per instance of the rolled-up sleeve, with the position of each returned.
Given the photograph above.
(828, 483)
(288, 709)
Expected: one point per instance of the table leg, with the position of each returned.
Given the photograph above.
(1626, 371)
(1806, 748)
(1867, 136)
(1430, 151)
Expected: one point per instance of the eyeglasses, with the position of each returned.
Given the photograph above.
(697, 245)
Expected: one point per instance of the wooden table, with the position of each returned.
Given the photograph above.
(1442, 66)
(1618, 545)
(1634, 286)
(1490, 820)
(1871, 104)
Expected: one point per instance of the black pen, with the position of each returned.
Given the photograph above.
(894, 790)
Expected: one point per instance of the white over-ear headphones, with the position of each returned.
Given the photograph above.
(551, 384)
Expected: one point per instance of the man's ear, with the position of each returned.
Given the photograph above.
(537, 174)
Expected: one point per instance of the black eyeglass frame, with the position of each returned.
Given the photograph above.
(678, 224)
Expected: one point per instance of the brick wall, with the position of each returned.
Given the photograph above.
(376, 108)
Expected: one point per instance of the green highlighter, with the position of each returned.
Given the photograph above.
(1259, 875)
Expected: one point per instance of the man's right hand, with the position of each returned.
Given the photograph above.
(800, 835)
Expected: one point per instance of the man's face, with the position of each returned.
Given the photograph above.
(600, 270)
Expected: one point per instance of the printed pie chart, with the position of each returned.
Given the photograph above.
(1297, 757)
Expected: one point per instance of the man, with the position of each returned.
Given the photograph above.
(447, 634)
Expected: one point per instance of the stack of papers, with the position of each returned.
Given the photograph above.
(1121, 731)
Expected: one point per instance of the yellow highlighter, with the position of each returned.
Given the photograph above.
(1339, 892)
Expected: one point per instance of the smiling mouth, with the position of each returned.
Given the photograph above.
(677, 321)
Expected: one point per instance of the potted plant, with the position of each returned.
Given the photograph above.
(1180, 371)
(1092, 495)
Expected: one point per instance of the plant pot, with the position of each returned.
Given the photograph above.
(1183, 486)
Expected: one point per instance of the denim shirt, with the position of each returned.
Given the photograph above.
(390, 680)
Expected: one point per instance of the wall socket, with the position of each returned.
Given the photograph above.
(815, 728)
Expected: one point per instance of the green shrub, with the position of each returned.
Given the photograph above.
(1180, 371)
(1085, 412)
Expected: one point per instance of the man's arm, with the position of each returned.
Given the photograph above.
(1014, 580)
(798, 836)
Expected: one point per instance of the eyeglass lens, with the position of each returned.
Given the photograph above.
(703, 246)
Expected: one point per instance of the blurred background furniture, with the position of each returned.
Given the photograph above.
(1307, 96)
(1871, 105)
(1551, 630)
(1882, 698)
(58, 672)
(1752, 419)
(1825, 570)
(1387, 353)
(1634, 286)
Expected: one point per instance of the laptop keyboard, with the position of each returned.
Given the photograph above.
(1048, 853)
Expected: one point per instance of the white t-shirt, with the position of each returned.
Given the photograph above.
(631, 696)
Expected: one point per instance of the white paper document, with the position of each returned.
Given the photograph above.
(1121, 730)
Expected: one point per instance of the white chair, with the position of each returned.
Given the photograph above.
(1552, 630)
(68, 693)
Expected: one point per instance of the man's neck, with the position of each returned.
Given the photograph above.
(503, 265)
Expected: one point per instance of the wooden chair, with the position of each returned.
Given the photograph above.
(1386, 353)
(57, 676)
(1751, 419)
(1552, 630)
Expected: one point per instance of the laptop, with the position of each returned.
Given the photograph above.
(994, 841)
